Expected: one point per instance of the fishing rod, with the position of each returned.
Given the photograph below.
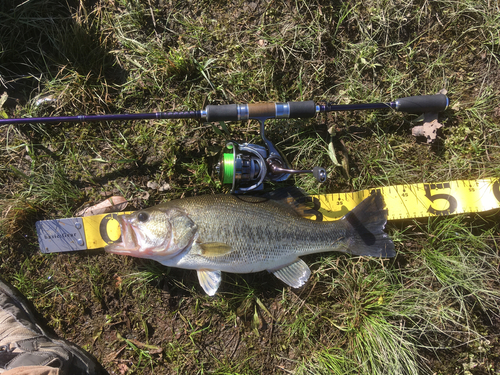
(240, 112)
(246, 166)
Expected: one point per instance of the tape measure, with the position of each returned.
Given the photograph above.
(419, 200)
(402, 201)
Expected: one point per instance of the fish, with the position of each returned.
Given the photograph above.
(243, 234)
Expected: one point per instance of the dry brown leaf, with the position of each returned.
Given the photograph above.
(429, 127)
(113, 204)
(123, 368)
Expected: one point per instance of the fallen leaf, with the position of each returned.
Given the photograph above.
(331, 154)
(165, 187)
(111, 357)
(123, 368)
(3, 99)
(118, 281)
(429, 127)
(113, 204)
(153, 185)
(144, 195)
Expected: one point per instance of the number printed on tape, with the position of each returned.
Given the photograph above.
(102, 230)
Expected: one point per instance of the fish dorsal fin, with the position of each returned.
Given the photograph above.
(214, 249)
(296, 200)
(291, 199)
(295, 274)
(209, 281)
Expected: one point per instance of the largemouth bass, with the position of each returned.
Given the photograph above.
(242, 234)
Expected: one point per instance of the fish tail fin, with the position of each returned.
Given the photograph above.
(365, 225)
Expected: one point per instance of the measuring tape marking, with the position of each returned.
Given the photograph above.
(102, 230)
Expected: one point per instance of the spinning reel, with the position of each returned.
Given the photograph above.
(247, 166)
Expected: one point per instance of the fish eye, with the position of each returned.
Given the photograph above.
(142, 217)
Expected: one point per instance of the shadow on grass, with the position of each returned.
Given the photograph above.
(43, 39)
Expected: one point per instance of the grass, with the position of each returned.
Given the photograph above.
(432, 310)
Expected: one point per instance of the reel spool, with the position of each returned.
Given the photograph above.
(244, 168)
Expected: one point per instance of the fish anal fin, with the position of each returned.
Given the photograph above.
(209, 280)
(295, 274)
(214, 249)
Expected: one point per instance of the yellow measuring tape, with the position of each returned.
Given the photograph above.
(402, 201)
(102, 230)
(420, 200)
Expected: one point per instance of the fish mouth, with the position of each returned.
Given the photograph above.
(129, 244)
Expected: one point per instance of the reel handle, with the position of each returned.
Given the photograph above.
(319, 173)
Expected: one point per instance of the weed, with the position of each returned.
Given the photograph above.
(432, 310)
(451, 256)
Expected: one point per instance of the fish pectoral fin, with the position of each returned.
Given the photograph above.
(209, 281)
(295, 274)
(214, 249)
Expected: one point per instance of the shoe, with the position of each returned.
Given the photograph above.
(23, 341)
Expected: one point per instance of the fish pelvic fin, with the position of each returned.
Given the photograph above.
(295, 274)
(365, 228)
(209, 281)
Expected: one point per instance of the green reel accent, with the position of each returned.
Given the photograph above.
(228, 168)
